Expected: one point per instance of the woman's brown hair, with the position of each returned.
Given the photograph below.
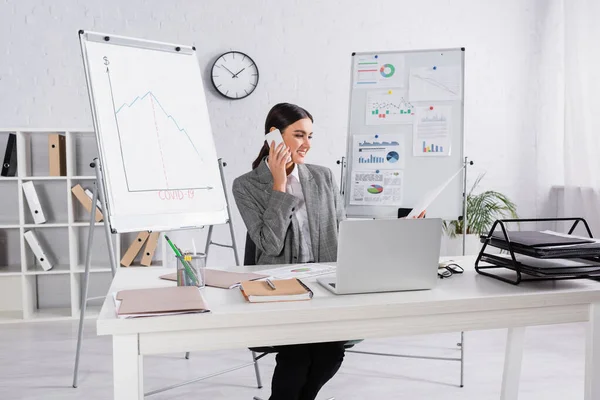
(281, 116)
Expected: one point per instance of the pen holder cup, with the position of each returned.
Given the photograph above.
(190, 270)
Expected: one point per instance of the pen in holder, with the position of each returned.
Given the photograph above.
(190, 270)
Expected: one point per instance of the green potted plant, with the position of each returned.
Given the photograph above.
(482, 210)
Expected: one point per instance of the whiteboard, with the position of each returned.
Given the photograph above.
(157, 155)
(405, 132)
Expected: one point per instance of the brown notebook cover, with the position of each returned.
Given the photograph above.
(221, 279)
(161, 300)
(285, 290)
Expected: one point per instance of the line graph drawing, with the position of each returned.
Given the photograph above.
(169, 116)
(437, 84)
(385, 108)
(434, 84)
(157, 151)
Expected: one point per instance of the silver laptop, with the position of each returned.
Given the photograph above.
(386, 255)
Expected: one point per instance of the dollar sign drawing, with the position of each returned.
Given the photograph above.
(106, 62)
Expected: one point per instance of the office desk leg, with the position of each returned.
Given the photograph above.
(512, 364)
(592, 354)
(128, 371)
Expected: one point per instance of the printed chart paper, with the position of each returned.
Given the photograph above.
(373, 152)
(388, 107)
(299, 271)
(430, 197)
(432, 136)
(434, 84)
(381, 189)
(378, 71)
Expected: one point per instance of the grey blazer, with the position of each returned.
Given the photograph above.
(270, 220)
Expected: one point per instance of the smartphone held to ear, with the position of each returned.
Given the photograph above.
(275, 136)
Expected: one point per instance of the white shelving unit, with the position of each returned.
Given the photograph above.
(27, 292)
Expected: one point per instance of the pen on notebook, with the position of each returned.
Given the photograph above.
(271, 284)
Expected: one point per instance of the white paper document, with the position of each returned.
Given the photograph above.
(432, 135)
(378, 70)
(385, 107)
(383, 188)
(298, 271)
(435, 83)
(430, 197)
(374, 152)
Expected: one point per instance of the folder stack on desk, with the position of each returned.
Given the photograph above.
(159, 302)
(540, 255)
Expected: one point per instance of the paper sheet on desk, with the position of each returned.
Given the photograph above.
(430, 197)
(299, 271)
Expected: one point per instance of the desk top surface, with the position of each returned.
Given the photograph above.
(467, 292)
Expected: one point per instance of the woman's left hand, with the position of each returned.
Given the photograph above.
(422, 215)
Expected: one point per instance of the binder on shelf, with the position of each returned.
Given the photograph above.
(85, 201)
(34, 203)
(37, 249)
(89, 194)
(150, 248)
(57, 157)
(134, 248)
(9, 167)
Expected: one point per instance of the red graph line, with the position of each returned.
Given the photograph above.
(162, 159)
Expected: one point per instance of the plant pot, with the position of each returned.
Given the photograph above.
(452, 247)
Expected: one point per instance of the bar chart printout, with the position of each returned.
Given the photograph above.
(432, 131)
(378, 152)
(388, 107)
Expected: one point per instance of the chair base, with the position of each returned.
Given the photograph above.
(258, 398)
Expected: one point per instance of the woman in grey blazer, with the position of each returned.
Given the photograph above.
(292, 212)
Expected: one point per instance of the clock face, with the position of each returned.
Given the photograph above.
(234, 75)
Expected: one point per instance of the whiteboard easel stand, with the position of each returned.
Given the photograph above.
(461, 344)
(209, 241)
(98, 193)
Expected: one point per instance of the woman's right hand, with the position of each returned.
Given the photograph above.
(278, 157)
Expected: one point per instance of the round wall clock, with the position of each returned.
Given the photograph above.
(234, 75)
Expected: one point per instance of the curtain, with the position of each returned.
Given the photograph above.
(581, 152)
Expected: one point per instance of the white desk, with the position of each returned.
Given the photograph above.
(461, 303)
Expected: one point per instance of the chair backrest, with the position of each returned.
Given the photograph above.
(249, 251)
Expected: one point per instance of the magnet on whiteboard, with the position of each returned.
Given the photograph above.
(390, 92)
(431, 107)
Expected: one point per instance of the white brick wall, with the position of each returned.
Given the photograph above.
(302, 49)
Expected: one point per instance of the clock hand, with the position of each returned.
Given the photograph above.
(235, 76)
(228, 70)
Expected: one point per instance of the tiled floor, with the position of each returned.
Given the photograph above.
(37, 363)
